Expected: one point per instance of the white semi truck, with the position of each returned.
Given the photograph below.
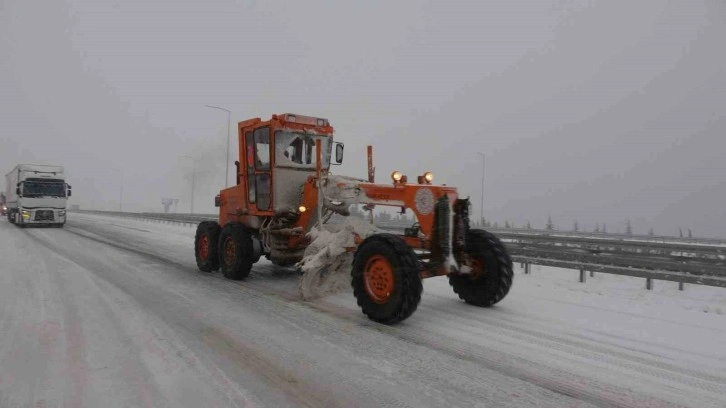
(36, 194)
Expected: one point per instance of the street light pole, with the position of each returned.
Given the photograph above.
(229, 129)
(193, 172)
(481, 215)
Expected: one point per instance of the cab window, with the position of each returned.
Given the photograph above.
(262, 148)
(293, 149)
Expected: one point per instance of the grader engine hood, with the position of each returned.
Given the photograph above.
(339, 192)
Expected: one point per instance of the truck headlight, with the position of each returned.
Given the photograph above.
(62, 212)
(25, 214)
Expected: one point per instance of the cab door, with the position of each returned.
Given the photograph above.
(259, 169)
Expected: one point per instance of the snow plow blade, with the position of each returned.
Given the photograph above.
(326, 265)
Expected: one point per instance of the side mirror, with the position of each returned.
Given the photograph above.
(69, 190)
(338, 153)
(17, 191)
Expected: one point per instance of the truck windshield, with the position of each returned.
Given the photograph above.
(44, 188)
(293, 149)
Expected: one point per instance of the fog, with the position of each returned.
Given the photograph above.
(595, 111)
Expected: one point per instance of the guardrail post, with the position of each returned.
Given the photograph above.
(592, 274)
(649, 283)
(526, 268)
(680, 285)
(583, 275)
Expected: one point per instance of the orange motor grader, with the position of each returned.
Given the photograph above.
(284, 188)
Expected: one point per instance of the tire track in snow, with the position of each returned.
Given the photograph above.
(564, 349)
(583, 344)
(303, 392)
(296, 312)
(565, 383)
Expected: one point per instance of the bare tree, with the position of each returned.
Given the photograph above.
(550, 226)
(576, 226)
(650, 232)
(628, 228)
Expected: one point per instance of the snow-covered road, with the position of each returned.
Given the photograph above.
(111, 312)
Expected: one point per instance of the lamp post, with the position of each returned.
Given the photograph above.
(483, 163)
(121, 193)
(229, 127)
(193, 170)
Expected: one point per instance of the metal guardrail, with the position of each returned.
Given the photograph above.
(609, 235)
(190, 219)
(671, 259)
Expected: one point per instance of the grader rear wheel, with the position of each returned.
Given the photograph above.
(205, 246)
(385, 279)
(236, 252)
(492, 274)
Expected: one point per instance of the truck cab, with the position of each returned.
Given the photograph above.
(277, 158)
(37, 194)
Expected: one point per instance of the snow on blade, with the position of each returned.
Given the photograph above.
(326, 264)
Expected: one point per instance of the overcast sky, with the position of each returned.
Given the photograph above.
(596, 111)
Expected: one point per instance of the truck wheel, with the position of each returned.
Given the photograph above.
(385, 279)
(206, 243)
(235, 251)
(491, 277)
(19, 220)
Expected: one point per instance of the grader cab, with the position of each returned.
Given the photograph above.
(285, 189)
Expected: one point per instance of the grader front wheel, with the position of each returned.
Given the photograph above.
(385, 279)
(491, 277)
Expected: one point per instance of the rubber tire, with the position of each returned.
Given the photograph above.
(19, 221)
(244, 253)
(11, 217)
(407, 288)
(212, 230)
(493, 286)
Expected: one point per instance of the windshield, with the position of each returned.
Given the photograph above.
(44, 188)
(293, 149)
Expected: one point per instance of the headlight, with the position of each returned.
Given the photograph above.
(429, 176)
(302, 209)
(25, 214)
(62, 212)
(396, 176)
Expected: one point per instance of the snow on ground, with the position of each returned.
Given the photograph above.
(119, 301)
